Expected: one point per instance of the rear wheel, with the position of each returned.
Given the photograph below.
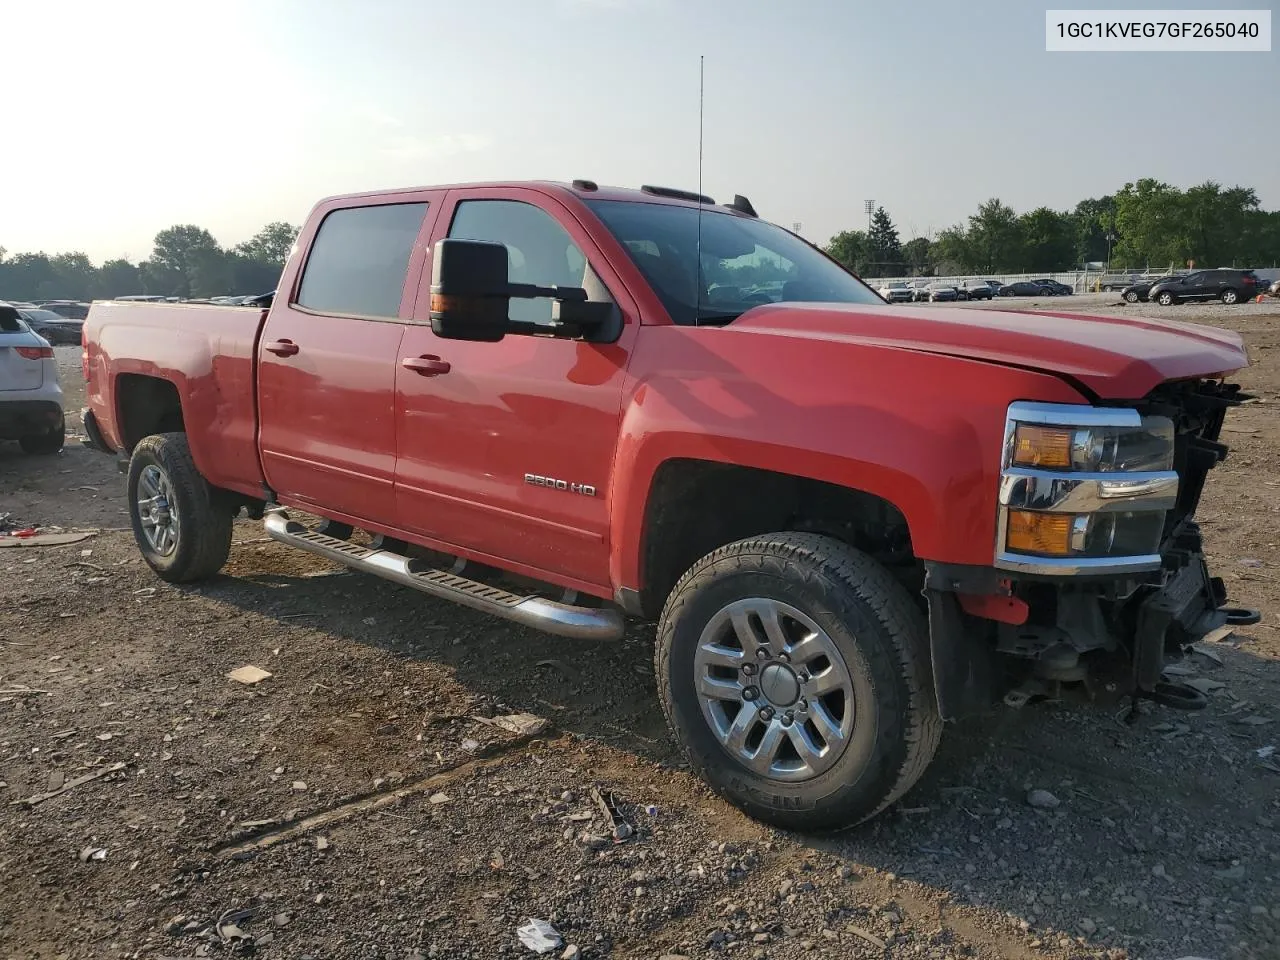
(184, 533)
(1230, 296)
(794, 671)
(44, 444)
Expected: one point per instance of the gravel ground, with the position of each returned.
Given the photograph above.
(352, 806)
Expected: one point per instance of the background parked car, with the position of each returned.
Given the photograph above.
(1138, 290)
(30, 395)
(1229, 286)
(995, 285)
(1118, 281)
(897, 291)
(1054, 288)
(1023, 288)
(976, 290)
(71, 309)
(53, 327)
(942, 292)
(921, 290)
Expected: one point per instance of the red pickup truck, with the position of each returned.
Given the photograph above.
(564, 404)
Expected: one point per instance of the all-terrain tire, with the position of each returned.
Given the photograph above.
(44, 444)
(203, 538)
(879, 631)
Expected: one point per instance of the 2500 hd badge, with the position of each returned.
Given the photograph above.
(586, 489)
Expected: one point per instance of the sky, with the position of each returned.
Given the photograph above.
(123, 118)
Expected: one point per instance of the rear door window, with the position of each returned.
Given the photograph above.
(358, 261)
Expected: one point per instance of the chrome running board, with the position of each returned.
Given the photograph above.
(562, 619)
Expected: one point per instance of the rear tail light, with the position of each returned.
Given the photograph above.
(1250, 280)
(35, 353)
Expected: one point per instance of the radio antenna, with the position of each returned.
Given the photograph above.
(697, 297)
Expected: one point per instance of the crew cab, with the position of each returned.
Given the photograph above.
(567, 405)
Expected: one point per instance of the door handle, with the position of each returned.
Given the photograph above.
(281, 348)
(426, 365)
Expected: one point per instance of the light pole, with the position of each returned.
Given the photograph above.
(1110, 240)
(870, 206)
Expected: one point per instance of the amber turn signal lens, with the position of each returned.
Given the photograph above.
(1048, 534)
(1042, 446)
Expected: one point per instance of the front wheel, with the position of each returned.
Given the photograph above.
(1131, 297)
(1166, 299)
(182, 531)
(794, 671)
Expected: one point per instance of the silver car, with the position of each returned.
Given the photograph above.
(54, 327)
(30, 395)
(942, 292)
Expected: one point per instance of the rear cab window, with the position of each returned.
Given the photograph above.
(359, 259)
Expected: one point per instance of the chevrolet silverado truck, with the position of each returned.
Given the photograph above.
(568, 405)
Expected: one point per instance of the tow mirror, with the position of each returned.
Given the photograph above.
(471, 299)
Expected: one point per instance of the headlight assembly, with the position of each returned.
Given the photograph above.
(1084, 489)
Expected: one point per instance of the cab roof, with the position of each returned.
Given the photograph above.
(580, 189)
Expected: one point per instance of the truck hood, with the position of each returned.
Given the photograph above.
(1115, 358)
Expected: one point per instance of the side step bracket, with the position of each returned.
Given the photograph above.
(562, 619)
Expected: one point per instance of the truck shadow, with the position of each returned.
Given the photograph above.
(1162, 817)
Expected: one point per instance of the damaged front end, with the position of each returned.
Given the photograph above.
(1099, 569)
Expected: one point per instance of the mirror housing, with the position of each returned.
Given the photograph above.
(470, 299)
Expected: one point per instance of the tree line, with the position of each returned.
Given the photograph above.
(1147, 224)
(186, 261)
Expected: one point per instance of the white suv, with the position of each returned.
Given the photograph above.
(30, 395)
(897, 291)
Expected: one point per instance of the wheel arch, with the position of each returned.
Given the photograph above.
(695, 505)
(146, 405)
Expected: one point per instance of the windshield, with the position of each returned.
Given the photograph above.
(44, 316)
(745, 262)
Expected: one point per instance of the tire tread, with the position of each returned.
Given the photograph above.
(208, 551)
(827, 563)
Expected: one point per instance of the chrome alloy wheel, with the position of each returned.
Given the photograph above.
(157, 510)
(774, 689)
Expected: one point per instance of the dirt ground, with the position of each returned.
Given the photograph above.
(435, 834)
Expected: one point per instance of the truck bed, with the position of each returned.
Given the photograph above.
(207, 352)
